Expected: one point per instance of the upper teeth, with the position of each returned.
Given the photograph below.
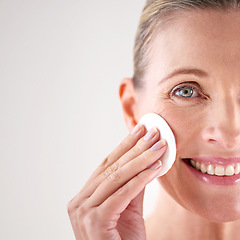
(218, 170)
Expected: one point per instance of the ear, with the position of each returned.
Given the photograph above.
(127, 94)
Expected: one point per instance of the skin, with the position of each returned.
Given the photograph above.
(205, 124)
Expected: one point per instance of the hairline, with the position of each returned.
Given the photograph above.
(164, 20)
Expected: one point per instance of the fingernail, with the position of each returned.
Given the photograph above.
(156, 165)
(150, 134)
(160, 144)
(136, 128)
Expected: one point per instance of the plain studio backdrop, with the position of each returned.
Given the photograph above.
(61, 62)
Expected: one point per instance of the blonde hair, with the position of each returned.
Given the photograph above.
(156, 12)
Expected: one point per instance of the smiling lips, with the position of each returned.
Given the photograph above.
(218, 170)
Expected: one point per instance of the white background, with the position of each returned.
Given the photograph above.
(61, 62)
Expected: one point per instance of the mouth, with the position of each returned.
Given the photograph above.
(218, 172)
(213, 169)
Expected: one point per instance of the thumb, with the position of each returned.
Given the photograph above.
(137, 203)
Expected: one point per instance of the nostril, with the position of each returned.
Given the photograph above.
(228, 145)
(222, 136)
(212, 140)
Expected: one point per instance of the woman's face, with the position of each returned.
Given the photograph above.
(193, 81)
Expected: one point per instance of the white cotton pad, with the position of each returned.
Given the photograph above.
(151, 120)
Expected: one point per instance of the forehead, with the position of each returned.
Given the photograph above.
(199, 38)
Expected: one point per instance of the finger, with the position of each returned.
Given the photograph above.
(136, 205)
(97, 177)
(122, 175)
(119, 201)
(126, 144)
(142, 145)
(138, 132)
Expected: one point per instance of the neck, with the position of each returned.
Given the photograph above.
(178, 223)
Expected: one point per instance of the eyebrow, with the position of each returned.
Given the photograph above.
(185, 71)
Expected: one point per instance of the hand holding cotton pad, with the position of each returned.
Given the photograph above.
(151, 120)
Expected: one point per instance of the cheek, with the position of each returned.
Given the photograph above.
(186, 123)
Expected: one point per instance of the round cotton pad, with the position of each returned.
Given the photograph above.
(151, 120)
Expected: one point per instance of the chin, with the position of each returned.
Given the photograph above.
(217, 204)
(224, 217)
(216, 211)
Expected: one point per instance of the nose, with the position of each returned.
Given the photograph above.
(223, 125)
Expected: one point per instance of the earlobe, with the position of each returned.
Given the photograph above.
(127, 94)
